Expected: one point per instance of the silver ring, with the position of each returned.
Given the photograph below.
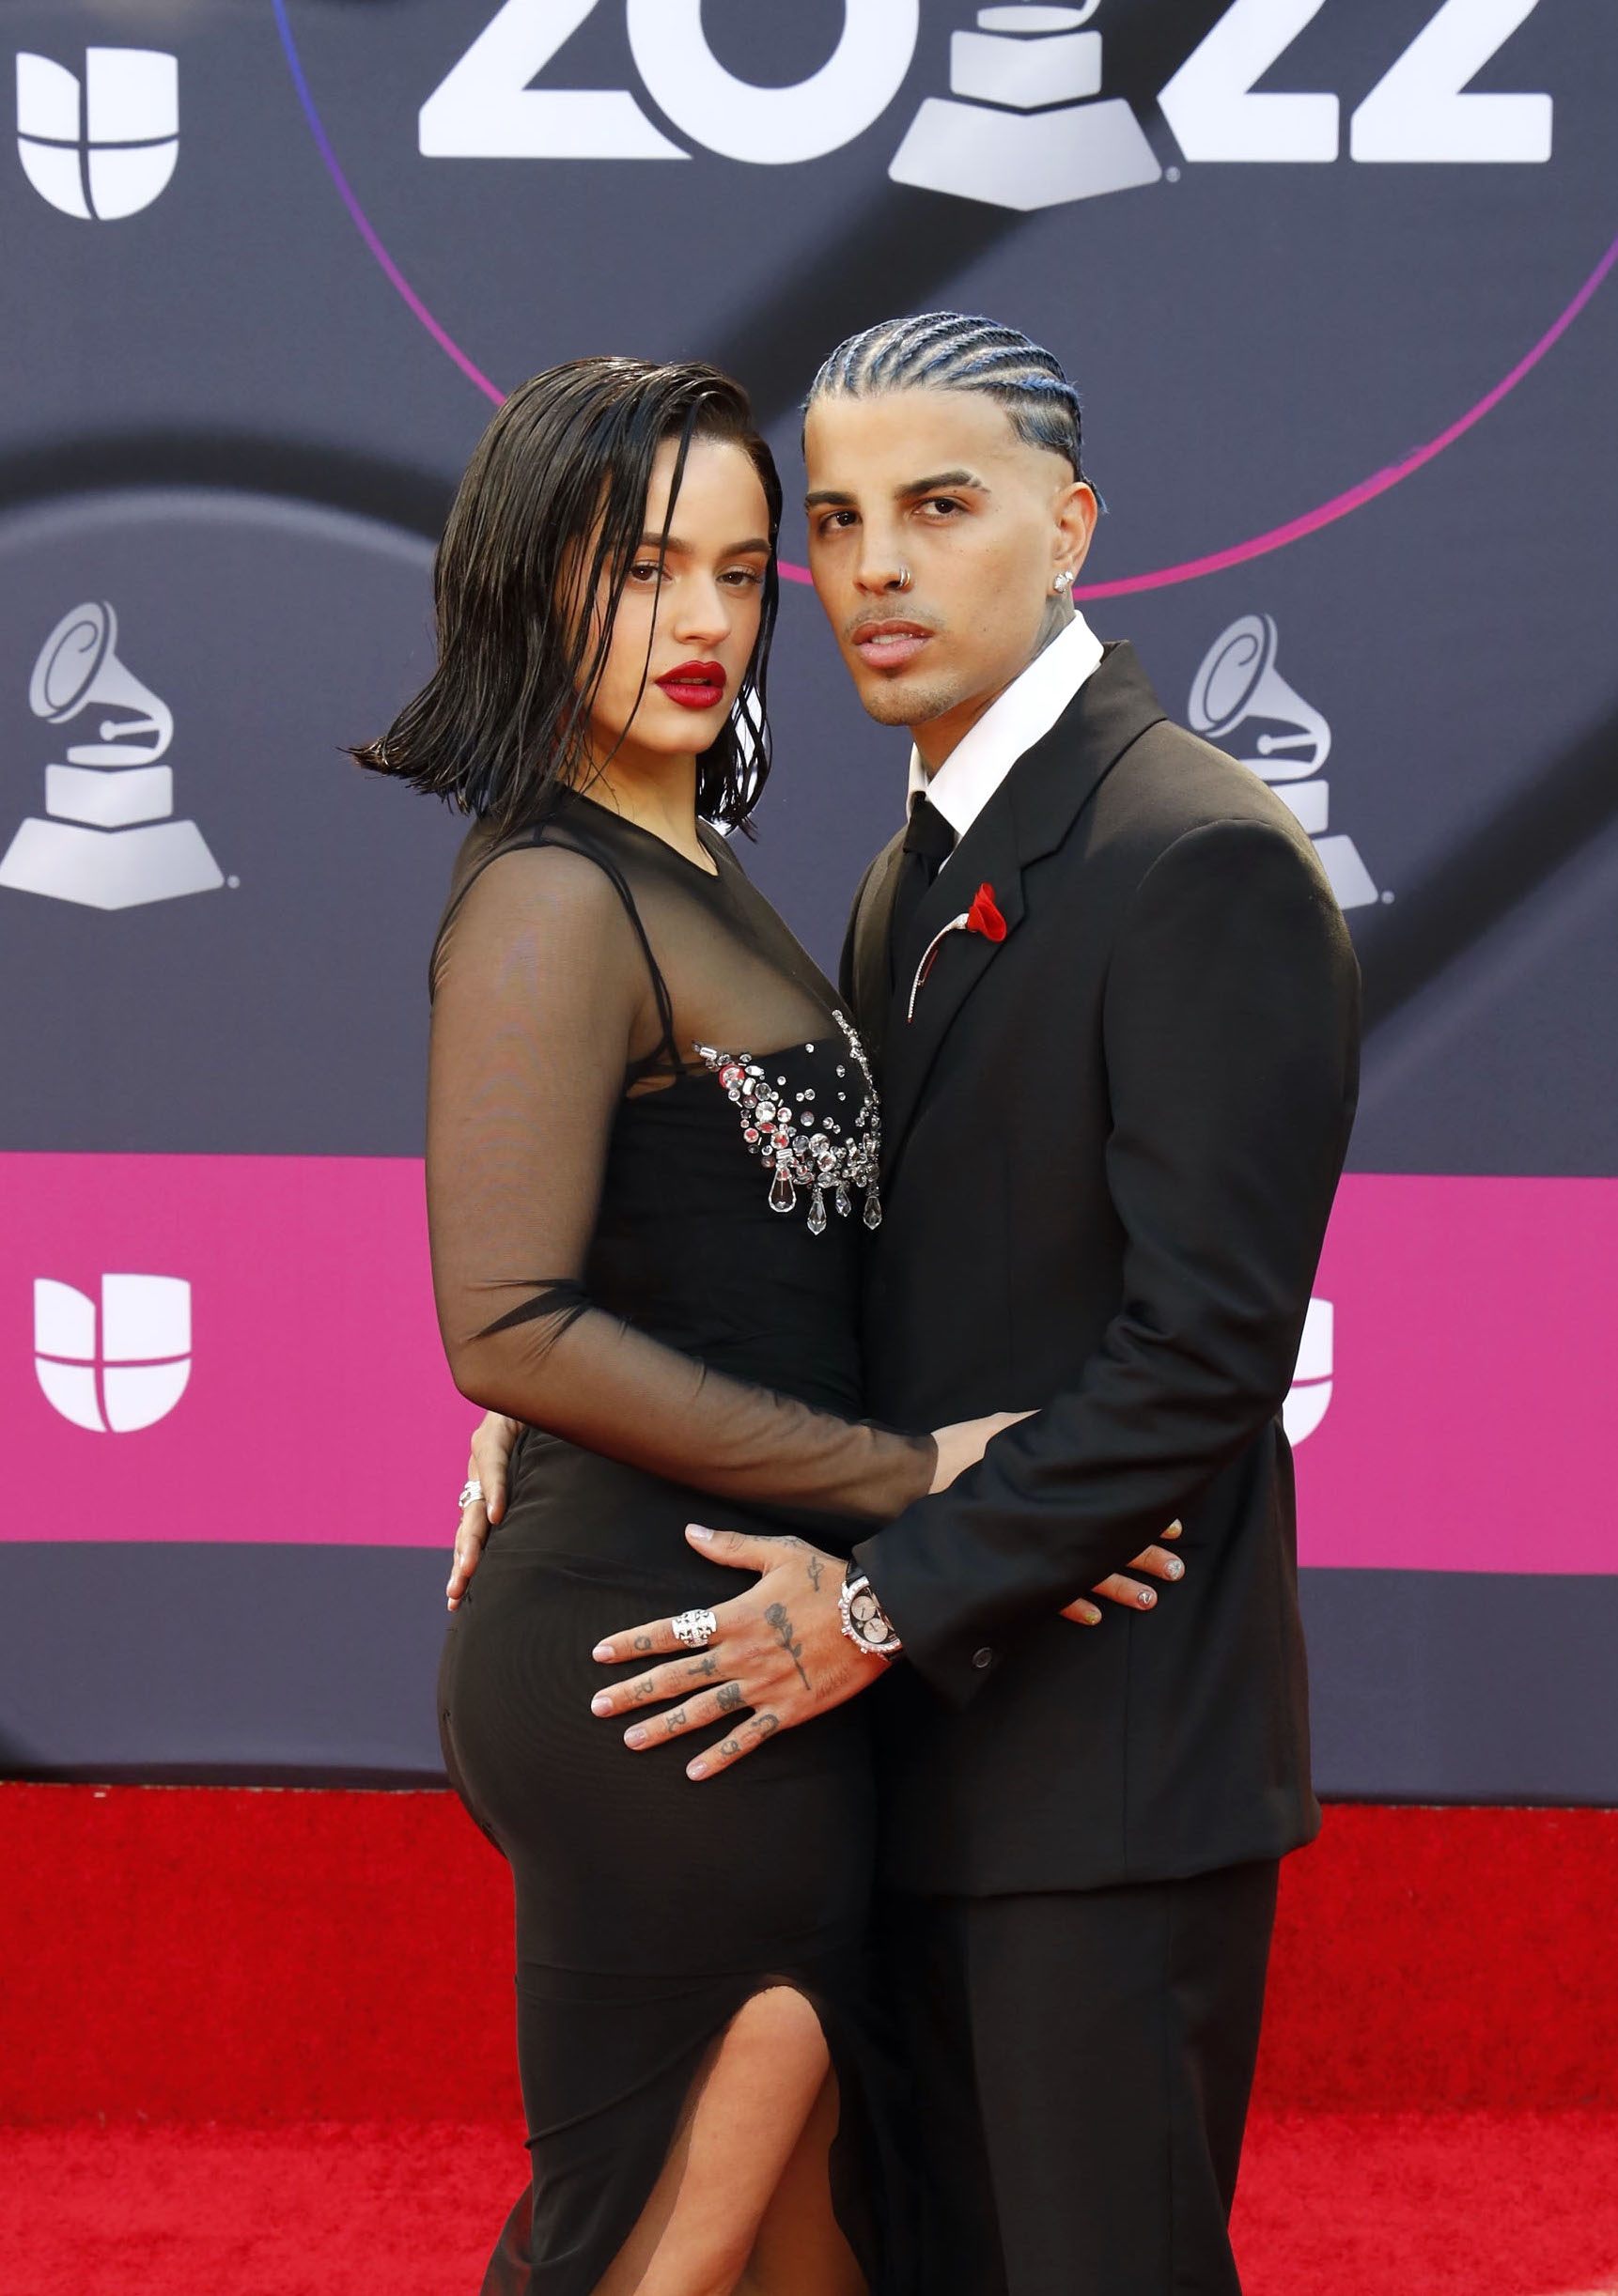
(696, 1629)
(471, 1490)
(905, 579)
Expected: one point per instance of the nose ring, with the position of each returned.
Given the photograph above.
(905, 579)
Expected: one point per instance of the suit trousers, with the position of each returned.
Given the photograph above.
(1082, 2062)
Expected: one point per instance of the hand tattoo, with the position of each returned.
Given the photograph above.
(765, 1724)
(817, 1570)
(643, 1642)
(676, 1720)
(706, 1665)
(730, 1698)
(776, 1616)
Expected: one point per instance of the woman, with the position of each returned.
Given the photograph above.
(653, 1144)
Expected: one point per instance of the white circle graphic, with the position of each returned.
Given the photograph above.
(774, 126)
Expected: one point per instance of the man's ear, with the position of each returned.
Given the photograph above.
(1076, 512)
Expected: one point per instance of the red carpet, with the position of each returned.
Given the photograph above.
(258, 2044)
(1460, 2204)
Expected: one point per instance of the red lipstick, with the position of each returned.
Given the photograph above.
(695, 685)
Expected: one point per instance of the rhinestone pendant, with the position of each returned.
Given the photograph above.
(873, 1208)
(842, 1201)
(817, 1214)
(783, 1195)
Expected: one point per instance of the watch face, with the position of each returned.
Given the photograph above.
(866, 1619)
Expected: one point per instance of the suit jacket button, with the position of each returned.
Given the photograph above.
(984, 1657)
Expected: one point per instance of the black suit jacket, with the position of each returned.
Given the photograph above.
(1110, 1145)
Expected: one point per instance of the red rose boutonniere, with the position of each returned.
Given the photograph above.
(982, 918)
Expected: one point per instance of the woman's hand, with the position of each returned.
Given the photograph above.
(1128, 1592)
(491, 1448)
(963, 1443)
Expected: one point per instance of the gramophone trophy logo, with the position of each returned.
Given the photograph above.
(108, 841)
(1238, 686)
(1021, 127)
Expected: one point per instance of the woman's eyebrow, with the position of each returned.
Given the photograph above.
(673, 547)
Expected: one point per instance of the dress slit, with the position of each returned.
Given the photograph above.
(571, 2222)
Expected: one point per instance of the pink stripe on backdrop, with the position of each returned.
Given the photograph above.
(1474, 1382)
(319, 1407)
(1475, 1378)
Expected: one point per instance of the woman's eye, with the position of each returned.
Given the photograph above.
(648, 573)
(743, 577)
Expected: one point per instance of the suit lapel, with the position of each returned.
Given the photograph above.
(1028, 817)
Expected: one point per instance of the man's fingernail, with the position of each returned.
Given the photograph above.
(603, 1651)
(1146, 1598)
(601, 1704)
(696, 1769)
(1177, 1568)
(695, 1531)
(635, 1737)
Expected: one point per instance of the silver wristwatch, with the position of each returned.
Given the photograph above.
(864, 1621)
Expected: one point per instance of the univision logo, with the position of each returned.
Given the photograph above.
(137, 1372)
(105, 146)
(1310, 1396)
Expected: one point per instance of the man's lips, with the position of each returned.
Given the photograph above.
(889, 645)
(695, 685)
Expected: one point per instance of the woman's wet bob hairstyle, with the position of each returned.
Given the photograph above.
(548, 516)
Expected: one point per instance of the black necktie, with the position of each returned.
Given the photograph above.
(930, 841)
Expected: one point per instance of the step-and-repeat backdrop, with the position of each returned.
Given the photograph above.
(1333, 275)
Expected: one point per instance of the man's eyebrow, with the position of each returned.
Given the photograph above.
(942, 482)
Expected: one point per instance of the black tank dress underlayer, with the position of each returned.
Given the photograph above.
(652, 1155)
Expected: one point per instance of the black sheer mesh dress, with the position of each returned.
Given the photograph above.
(652, 1147)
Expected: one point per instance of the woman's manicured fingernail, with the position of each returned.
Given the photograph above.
(695, 1531)
(1146, 1598)
(635, 1737)
(1089, 1617)
(696, 1769)
(603, 1650)
(601, 1704)
(1174, 1529)
(1177, 1568)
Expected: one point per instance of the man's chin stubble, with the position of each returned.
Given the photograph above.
(908, 701)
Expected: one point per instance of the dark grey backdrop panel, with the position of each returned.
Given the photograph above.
(235, 414)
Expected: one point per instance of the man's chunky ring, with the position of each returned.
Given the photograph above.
(696, 1629)
(471, 1490)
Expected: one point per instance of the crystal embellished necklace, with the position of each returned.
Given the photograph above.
(802, 1146)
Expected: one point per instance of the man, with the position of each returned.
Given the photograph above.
(1116, 1010)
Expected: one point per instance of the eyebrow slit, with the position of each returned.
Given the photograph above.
(951, 482)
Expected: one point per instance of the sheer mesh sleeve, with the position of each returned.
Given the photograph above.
(543, 1003)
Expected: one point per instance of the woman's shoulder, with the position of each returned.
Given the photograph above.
(539, 886)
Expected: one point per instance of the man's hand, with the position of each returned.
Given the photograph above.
(491, 1448)
(778, 1650)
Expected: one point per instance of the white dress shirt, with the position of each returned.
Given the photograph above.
(1023, 714)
